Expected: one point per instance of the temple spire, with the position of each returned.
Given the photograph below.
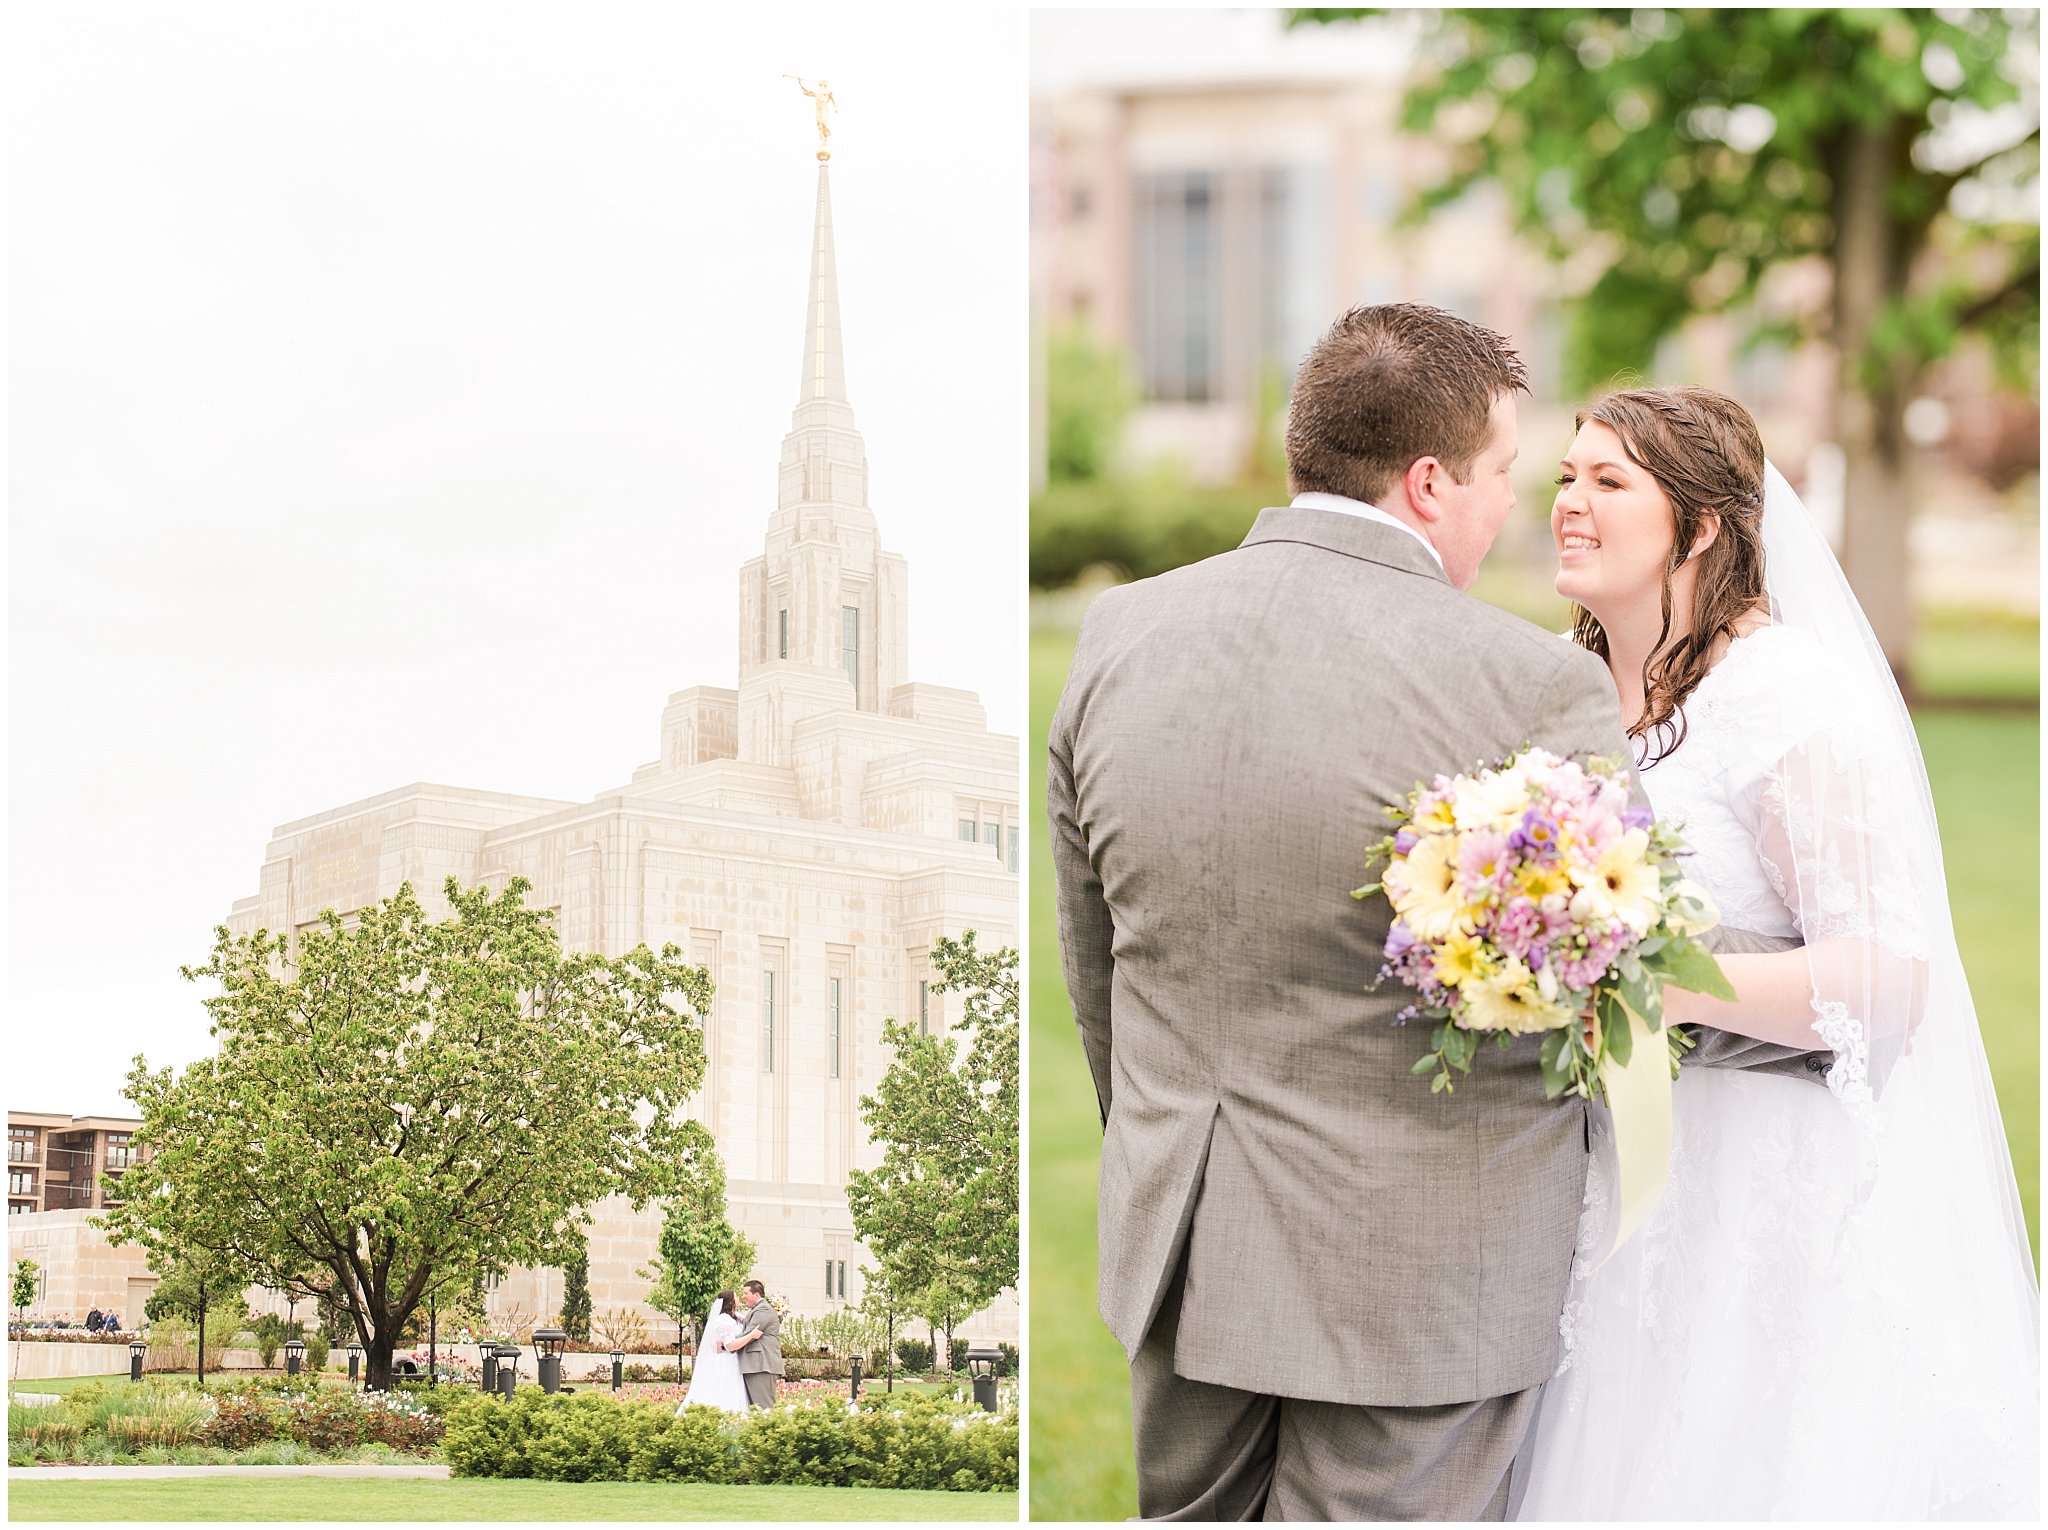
(824, 374)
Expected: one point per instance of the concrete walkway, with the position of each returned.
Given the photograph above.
(430, 1470)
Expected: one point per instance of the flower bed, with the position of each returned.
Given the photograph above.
(53, 1334)
(103, 1425)
(823, 1440)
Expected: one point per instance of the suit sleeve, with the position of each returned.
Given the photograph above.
(1586, 720)
(1730, 1049)
(1085, 929)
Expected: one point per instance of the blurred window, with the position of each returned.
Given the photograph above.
(1177, 279)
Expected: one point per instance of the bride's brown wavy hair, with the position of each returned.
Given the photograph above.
(1706, 455)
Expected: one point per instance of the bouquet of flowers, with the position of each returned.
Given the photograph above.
(1533, 898)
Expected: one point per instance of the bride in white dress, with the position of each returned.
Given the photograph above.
(1833, 1313)
(715, 1378)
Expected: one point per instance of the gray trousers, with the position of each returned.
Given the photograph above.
(760, 1388)
(1215, 1453)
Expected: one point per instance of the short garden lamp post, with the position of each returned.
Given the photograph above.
(618, 1369)
(508, 1369)
(853, 1389)
(294, 1356)
(355, 1361)
(137, 1348)
(550, 1342)
(487, 1359)
(984, 1360)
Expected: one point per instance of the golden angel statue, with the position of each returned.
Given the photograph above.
(826, 103)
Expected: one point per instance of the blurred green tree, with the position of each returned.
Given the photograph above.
(1700, 149)
(1089, 395)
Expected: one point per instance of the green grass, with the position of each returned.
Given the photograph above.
(1977, 656)
(329, 1498)
(62, 1384)
(1985, 770)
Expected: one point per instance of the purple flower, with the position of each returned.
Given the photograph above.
(1405, 841)
(1536, 836)
(1637, 818)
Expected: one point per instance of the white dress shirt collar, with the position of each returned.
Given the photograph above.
(1316, 500)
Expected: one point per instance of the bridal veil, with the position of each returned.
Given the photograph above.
(1932, 1260)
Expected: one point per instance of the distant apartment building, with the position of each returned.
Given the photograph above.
(55, 1163)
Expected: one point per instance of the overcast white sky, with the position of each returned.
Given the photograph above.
(1171, 45)
(394, 393)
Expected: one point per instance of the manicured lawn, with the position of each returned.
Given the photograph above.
(327, 1498)
(62, 1384)
(1985, 770)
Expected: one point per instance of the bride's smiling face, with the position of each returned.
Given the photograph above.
(1612, 525)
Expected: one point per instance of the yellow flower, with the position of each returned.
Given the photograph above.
(1460, 959)
(1624, 884)
(1509, 1000)
(1423, 888)
(1438, 816)
(1539, 882)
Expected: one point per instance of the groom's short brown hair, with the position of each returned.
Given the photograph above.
(1389, 384)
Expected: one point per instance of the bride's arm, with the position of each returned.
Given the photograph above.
(1774, 999)
(1824, 819)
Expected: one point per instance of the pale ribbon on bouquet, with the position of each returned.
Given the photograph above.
(1639, 1104)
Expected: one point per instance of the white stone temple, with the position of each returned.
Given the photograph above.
(807, 838)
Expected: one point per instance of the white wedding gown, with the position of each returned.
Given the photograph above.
(715, 1378)
(1780, 1340)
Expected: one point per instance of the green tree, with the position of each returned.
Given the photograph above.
(406, 1101)
(575, 1317)
(22, 1296)
(700, 1252)
(940, 1210)
(1088, 396)
(205, 1286)
(1701, 150)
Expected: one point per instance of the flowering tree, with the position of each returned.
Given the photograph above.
(403, 1102)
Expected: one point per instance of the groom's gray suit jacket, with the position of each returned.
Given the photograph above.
(765, 1353)
(1229, 737)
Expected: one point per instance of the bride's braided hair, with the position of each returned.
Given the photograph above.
(1705, 453)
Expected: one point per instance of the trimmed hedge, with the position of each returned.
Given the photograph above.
(918, 1442)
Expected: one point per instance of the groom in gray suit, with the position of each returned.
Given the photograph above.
(759, 1343)
(1338, 1292)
